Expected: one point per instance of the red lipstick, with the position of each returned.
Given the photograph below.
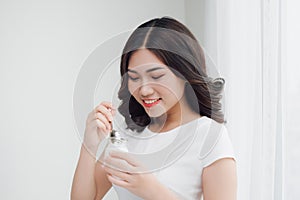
(150, 102)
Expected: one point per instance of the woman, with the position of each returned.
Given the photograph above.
(165, 91)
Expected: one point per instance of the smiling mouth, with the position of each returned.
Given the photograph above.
(150, 102)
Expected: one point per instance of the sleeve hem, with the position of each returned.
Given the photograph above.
(210, 162)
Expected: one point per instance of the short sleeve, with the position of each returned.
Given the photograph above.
(217, 145)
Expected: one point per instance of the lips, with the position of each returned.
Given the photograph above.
(151, 102)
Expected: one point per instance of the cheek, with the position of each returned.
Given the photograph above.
(180, 86)
(175, 88)
(176, 93)
(132, 88)
(181, 89)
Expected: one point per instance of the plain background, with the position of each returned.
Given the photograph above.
(43, 45)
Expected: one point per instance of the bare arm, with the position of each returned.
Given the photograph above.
(102, 183)
(90, 180)
(219, 180)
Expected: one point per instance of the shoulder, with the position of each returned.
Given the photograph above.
(216, 144)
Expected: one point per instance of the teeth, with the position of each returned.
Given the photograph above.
(150, 101)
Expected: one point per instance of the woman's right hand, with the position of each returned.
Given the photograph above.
(98, 125)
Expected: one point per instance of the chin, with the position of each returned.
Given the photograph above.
(154, 113)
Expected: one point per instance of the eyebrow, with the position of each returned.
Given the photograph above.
(149, 70)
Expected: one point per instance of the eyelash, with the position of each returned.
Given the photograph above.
(154, 77)
(157, 77)
(133, 79)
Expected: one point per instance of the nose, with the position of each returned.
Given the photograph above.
(146, 90)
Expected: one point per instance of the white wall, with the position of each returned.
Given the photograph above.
(200, 17)
(42, 47)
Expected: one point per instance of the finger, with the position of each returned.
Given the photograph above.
(104, 120)
(122, 175)
(117, 181)
(118, 164)
(109, 106)
(125, 156)
(99, 124)
(104, 111)
(102, 130)
(112, 111)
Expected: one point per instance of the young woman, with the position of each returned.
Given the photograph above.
(165, 93)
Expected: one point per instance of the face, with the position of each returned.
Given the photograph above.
(154, 85)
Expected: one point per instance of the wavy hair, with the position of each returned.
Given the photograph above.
(172, 43)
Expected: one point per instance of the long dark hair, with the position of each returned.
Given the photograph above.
(177, 48)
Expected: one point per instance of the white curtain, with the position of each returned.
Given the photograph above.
(244, 38)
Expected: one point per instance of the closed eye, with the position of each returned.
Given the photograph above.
(157, 77)
(133, 78)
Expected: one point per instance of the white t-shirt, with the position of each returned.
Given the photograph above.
(177, 157)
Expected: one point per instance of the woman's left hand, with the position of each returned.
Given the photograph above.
(122, 170)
